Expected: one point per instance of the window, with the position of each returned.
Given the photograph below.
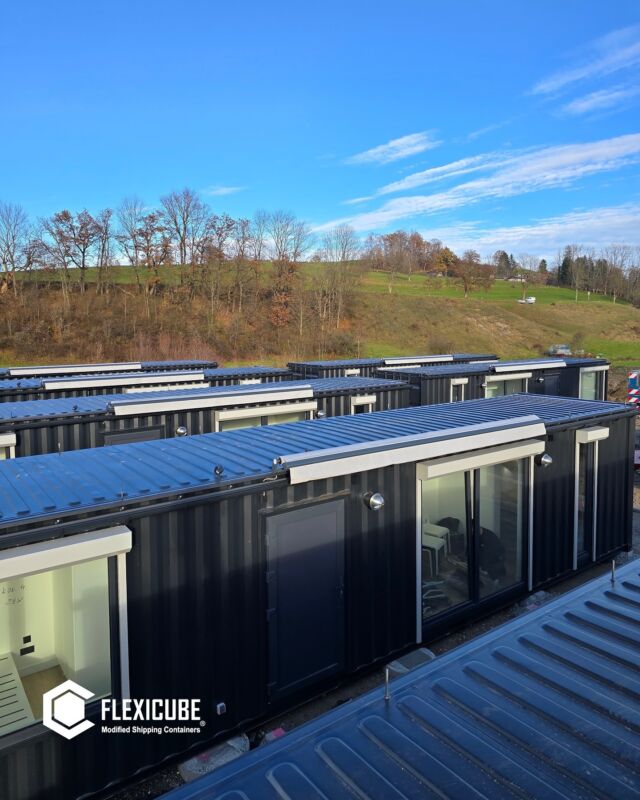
(592, 382)
(457, 389)
(363, 404)
(503, 386)
(56, 623)
(7, 446)
(254, 417)
(586, 493)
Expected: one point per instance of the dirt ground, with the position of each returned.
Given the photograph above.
(169, 778)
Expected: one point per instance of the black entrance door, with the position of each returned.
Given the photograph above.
(305, 579)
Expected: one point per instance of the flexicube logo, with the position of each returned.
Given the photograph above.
(64, 711)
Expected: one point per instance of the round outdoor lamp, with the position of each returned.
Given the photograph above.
(374, 501)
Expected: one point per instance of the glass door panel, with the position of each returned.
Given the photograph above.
(445, 550)
(500, 526)
(585, 500)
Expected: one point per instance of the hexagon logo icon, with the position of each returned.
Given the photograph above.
(63, 709)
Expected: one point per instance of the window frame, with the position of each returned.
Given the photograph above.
(356, 401)
(507, 376)
(111, 544)
(308, 407)
(600, 381)
(8, 443)
(463, 382)
(584, 437)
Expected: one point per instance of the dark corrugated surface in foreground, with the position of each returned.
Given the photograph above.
(82, 479)
(545, 707)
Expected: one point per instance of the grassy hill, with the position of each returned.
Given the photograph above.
(386, 317)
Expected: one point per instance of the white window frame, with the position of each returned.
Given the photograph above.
(8, 442)
(468, 462)
(248, 381)
(362, 400)
(458, 382)
(351, 372)
(600, 368)
(583, 437)
(32, 559)
(226, 415)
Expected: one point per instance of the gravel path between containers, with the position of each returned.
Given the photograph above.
(168, 778)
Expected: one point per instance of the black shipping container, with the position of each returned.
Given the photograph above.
(203, 557)
(53, 370)
(367, 367)
(36, 427)
(572, 377)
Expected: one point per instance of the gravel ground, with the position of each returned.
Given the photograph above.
(165, 779)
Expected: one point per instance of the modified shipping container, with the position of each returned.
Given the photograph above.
(36, 427)
(448, 383)
(53, 370)
(367, 367)
(242, 572)
(18, 389)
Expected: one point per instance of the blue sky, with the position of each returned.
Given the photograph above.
(484, 124)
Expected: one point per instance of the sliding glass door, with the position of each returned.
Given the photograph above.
(473, 528)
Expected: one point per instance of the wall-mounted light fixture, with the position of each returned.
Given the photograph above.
(373, 501)
(540, 379)
(321, 414)
(181, 431)
(544, 460)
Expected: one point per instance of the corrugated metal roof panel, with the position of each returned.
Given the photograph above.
(445, 370)
(48, 484)
(74, 406)
(257, 371)
(547, 706)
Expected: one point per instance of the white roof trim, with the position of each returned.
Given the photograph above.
(321, 464)
(482, 458)
(54, 553)
(599, 368)
(398, 361)
(595, 434)
(500, 367)
(163, 387)
(163, 378)
(7, 440)
(126, 408)
(74, 369)
(509, 376)
(266, 411)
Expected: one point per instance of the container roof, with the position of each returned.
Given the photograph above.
(489, 367)
(101, 378)
(544, 706)
(82, 369)
(76, 481)
(245, 372)
(99, 404)
(372, 362)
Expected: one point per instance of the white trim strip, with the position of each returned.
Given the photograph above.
(499, 367)
(124, 408)
(350, 372)
(595, 434)
(321, 464)
(530, 541)
(601, 368)
(400, 362)
(163, 387)
(459, 381)
(126, 380)
(418, 562)
(576, 500)
(483, 458)
(123, 625)
(510, 376)
(362, 400)
(7, 440)
(594, 532)
(45, 556)
(74, 369)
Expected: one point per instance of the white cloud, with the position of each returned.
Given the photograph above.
(601, 100)
(618, 50)
(518, 174)
(396, 149)
(596, 227)
(487, 129)
(221, 191)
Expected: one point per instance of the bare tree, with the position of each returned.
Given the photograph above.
(185, 217)
(104, 225)
(15, 234)
(340, 244)
(130, 215)
(259, 231)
